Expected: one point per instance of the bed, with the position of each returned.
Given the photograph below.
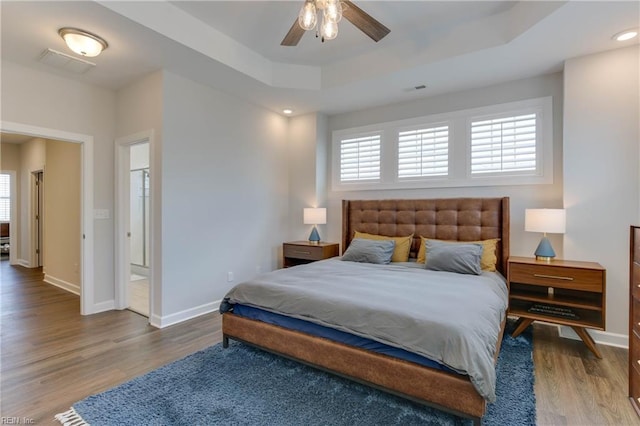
(458, 219)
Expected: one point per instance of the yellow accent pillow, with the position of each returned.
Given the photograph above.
(401, 250)
(487, 261)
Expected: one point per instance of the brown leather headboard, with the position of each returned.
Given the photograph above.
(459, 219)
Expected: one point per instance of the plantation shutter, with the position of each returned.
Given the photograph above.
(5, 198)
(504, 144)
(423, 152)
(360, 159)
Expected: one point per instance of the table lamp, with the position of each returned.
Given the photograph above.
(551, 221)
(315, 216)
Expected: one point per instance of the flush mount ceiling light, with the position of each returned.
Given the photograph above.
(83, 42)
(625, 35)
(287, 111)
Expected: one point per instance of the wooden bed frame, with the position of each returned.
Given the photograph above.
(461, 219)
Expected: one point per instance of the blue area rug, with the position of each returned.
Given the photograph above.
(246, 386)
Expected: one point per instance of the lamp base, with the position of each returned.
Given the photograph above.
(314, 237)
(545, 252)
(544, 258)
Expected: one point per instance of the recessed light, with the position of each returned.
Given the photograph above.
(287, 111)
(625, 35)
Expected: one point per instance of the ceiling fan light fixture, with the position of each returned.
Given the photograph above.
(328, 29)
(333, 10)
(83, 42)
(308, 17)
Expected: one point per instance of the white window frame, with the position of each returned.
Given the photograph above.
(543, 173)
(459, 123)
(8, 198)
(417, 127)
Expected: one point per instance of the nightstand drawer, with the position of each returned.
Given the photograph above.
(303, 252)
(551, 276)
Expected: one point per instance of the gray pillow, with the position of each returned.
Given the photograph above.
(453, 257)
(369, 251)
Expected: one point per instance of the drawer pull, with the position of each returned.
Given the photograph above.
(553, 277)
(301, 252)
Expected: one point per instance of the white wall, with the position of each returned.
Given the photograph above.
(225, 198)
(521, 197)
(32, 159)
(62, 221)
(32, 97)
(601, 190)
(308, 140)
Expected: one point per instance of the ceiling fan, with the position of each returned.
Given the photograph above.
(332, 12)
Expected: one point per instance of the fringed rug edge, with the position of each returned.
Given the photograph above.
(71, 418)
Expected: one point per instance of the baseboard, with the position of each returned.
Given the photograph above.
(109, 305)
(22, 262)
(600, 337)
(172, 319)
(71, 288)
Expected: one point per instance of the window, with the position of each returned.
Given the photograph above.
(360, 159)
(504, 145)
(5, 198)
(423, 152)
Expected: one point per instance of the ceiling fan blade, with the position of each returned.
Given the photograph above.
(294, 35)
(364, 22)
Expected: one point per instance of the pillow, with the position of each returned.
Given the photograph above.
(453, 257)
(403, 245)
(369, 251)
(487, 261)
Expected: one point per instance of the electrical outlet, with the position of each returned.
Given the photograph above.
(229, 276)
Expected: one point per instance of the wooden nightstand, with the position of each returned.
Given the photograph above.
(301, 252)
(561, 292)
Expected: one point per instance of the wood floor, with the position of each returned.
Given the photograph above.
(53, 357)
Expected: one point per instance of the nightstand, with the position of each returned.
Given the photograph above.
(301, 252)
(562, 292)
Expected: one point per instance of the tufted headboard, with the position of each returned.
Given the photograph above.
(459, 219)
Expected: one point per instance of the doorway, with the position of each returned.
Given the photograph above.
(135, 224)
(86, 267)
(139, 228)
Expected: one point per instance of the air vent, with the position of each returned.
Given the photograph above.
(65, 62)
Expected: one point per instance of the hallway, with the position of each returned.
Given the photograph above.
(52, 356)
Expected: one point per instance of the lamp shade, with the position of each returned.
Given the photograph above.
(315, 216)
(551, 221)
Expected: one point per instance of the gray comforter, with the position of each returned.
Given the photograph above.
(450, 318)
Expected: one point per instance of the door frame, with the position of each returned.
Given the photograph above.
(36, 226)
(87, 281)
(122, 217)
